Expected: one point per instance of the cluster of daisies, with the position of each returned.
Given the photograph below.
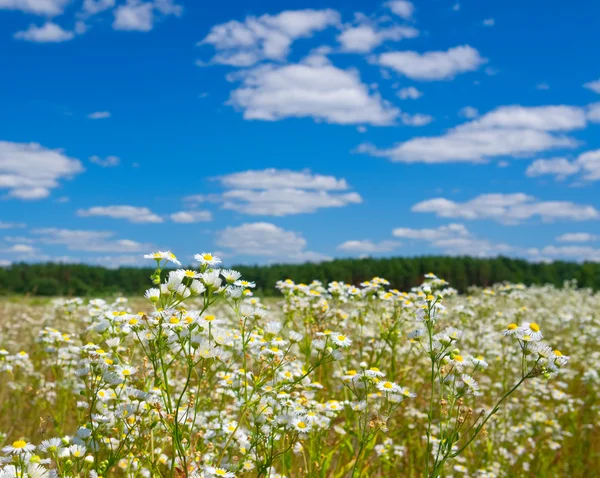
(201, 379)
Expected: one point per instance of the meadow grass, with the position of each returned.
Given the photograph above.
(200, 378)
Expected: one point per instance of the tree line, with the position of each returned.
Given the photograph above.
(52, 279)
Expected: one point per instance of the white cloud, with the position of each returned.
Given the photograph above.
(368, 247)
(542, 86)
(433, 65)
(454, 239)
(450, 231)
(107, 162)
(99, 115)
(587, 164)
(282, 178)
(593, 85)
(579, 253)
(130, 213)
(30, 171)
(402, 8)
(314, 89)
(47, 33)
(265, 37)
(11, 225)
(505, 131)
(273, 192)
(89, 241)
(409, 93)
(189, 217)
(267, 240)
(577, 237)
(20, 249)
(559, 167)
(593, 112)
(285, 201)
(93, 7)
(508, 208)
(136, 15)
(489, 22)
(417, 119)
(38, 7)
(469, 112)
(364, 38)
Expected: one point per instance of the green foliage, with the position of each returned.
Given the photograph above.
(402, 272)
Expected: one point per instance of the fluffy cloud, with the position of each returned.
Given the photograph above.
(469, 112)
(264, 239)
(273, 192)
(189, 217)
(30, 171)
(130, 213)
(99, 115)
(587, 164)
(47, 33)
(93, 7)
(578, 253)
(454, 239)
(271, 178)
(314, 89)
(559, 167)
(89, 241)
(10, 225)
(364, 38)
(593, 85)
(577, 237)
(368, 247)
(409, 93)
(265, 37)
(450, 231)
(508, 208)
(432, 65)
(505, 131)
(107, 162)
(38, 7)
(489, 22)
(140, 16)
(402, 8)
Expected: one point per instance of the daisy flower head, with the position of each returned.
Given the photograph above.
(163, 255)
(18, 447)
(511, 329)
(531, 329)
(341, 340)
(215, 471)
(207, 259)
(301, 425)
(388, 387)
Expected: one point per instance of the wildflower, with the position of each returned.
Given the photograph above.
(300, 425)
(388, 387)
(511, 329)
(221, 472)
(207, 259)
(18, 447)
(341, 340)
(532, 329)
(163, 255)
(125, 371)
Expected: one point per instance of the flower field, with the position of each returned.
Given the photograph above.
(200, 378)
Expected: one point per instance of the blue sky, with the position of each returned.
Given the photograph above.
(298, 131)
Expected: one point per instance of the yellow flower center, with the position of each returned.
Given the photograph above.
(133, 321)
(512, 326)
(174, 320)
(558, 353)
(209, 318)
(351, 372)
(19, 444)
(301, 425)
(535, 327)
(458, 358)
(341, 338)
(207, 257)
(388, 385)
(220, 472)
(126, 372)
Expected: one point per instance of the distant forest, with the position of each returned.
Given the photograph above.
(403, 273)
